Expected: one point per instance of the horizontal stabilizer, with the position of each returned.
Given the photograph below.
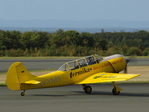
(32, 82)
(107, 77)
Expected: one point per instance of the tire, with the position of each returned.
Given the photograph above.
(88, 89)
(115, 92)
(22, 93)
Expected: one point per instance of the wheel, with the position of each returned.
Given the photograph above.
(88, 89)
(115, 92)
(22, 93)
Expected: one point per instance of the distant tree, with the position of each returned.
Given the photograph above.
(146, 52)
(134, 51)
(39, 39)
(26, 40)
(86, 40)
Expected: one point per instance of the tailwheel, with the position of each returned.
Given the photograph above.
(88, 89)
(23, 93)
(115, 92)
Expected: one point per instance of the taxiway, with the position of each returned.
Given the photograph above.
(133, 98)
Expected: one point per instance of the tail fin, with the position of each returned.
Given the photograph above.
(16, 75)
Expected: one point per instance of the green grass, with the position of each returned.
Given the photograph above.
(3, 84)
(137, 56)
(49, 57)
(128, 82)
(62, 57)
(2, 73)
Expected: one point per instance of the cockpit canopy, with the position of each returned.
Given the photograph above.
(75, 64)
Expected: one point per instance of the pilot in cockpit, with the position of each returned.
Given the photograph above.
(89, 61)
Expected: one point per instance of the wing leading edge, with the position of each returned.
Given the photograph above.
(107, 77)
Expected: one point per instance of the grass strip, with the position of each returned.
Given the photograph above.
(62, 57)
(54, 57)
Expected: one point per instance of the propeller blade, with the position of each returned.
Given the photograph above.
(130, 60)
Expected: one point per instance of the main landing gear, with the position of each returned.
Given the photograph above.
(116, 90)
(87, 89)
(23, 93)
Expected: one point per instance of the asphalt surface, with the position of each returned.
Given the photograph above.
(133, 98)
(40, 64)
(33, 64)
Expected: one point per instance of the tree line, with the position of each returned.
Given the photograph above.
(73, 43)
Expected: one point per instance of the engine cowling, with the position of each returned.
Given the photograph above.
(117, 61)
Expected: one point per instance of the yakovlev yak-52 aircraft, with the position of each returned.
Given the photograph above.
(88, 70)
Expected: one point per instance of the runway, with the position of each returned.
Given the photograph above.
(33, 64)
(40, 64)
(133, 98)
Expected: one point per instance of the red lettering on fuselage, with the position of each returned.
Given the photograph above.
(98, 67)
(118, 61)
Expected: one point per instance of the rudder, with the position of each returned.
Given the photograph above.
(16, 75)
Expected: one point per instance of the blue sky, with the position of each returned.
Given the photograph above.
(74, 10)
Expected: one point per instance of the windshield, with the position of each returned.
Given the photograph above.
(64, 67)
(72, 65)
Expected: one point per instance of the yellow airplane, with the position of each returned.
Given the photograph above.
(88, 70)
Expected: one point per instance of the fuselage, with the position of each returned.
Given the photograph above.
(111, 64)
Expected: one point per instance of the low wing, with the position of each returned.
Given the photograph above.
(32, 82)
(107, 77)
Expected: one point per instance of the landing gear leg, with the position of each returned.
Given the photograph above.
(87, 89)
(23, 93)
(116, 90)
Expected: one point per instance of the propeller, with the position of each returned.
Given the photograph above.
(129, 60)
